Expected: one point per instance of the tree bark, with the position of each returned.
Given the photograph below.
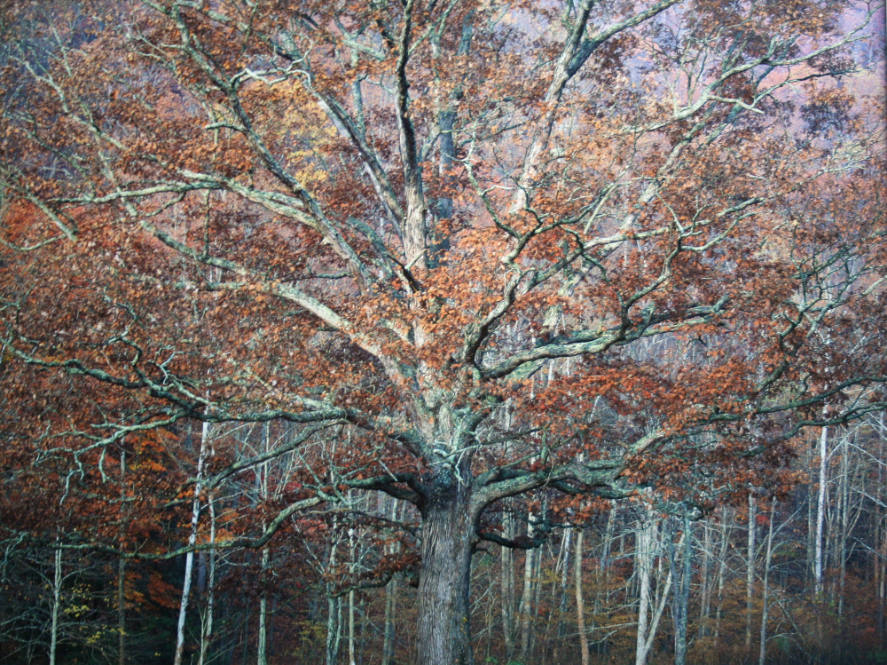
(844, 523)
(206, 625)
(192, 540)
(390, 604)
(681, 597)
(525, 609)
(580, 601)
(705, 592)
(352, 655)
(564, 560)
(880, 540)
(820, 511)
(507, 588)
(643, 562)
(333, 628)
(334, 614)
(262, 645)
(56, 601)
(121, 567)
(646, 548)
(447, 540)
(722, 566)
(762, 650)
(750, 571)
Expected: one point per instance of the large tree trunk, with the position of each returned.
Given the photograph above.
(447, 532)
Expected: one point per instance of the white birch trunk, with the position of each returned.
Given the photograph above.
(580, 601)
(844, 531)
(192, 540)
(262, 645)
(750, 570)
(334, 617)
(820, 511)
(121, 567)
(206, 626)
(645, 552)
(681, 597)
(564, 559)
(525, 608)
(56, 601)
(705, 592)
(643, 556)
(390, 603)
(762, 650)
(352, 656)
(722, 565)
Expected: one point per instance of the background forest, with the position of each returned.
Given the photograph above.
(795, 579)
(443, 332)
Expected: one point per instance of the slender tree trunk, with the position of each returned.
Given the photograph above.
(525, 609)
(811, 520)
(722, 566)
(608, 541)
(647, 544)
(536, 598)
(333, 617)
(705, 592)
(750, 570)
(507, 589)
(681, 597)
(880, 557)
(643, 559)
(121, 567)
(121, 611)
(390, 605)
(262, 645)
(762, 650)
(443, 632)
(56, 601)
(820, 511)
(844, 524)
(192, 540)
(333, 628)
(562, 613)
(580, 602)
(352, 659)
(818, 560)
(206, 626)
(388, 630)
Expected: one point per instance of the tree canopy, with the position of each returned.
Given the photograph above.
(465, 250)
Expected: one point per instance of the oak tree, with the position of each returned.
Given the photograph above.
(489, 249)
